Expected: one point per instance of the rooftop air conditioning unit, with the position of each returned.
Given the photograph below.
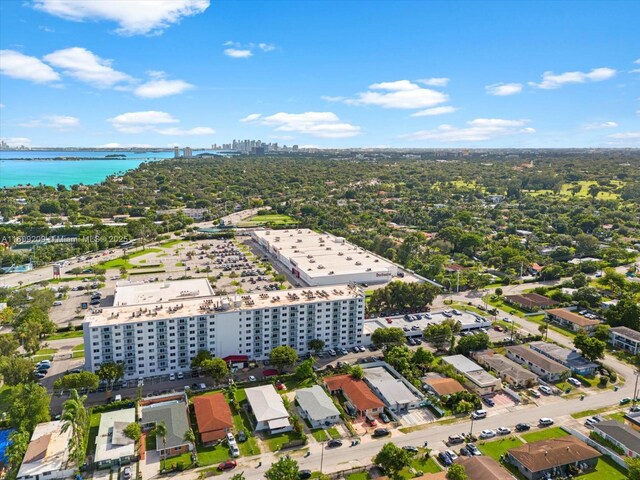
(358, 263)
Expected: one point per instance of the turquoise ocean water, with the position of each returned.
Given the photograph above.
(34, 167)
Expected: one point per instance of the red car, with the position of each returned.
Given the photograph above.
(228, 465)
(389, 320)
(498, 328)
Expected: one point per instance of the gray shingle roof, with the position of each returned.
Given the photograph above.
(174, 416)
(316, 403)
(624, 434)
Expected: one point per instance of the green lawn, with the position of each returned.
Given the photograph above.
(124, 262)
(275, 442)
(212, 455)
(46, 351)
(543, 434)
(242, 422)
(94, 424)
(320, 435)
(184, 458)
(171, 243)
(422, 464)
(497, 448)
(590, 413)
(65, 335)
(605, 469)
(357, 476)
(333, 432)
(274, 219)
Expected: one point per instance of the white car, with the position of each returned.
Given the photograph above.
(452, 455)
(544, 389)
(252, 378)
(57, 304)
(487, 434)
(574, 381)
(503, 431)
(180, 376)
(362, 349)
(478, 414)
(172, 376)
(545, 421)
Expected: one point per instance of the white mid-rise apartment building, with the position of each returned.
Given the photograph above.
(157, 328)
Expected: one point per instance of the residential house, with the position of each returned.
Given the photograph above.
(553, 457)
(564, 356)
(47, 455)
(113, 447)
(620, 435)
(172, 411)
(442, 386)
(531, 302)
(268, 409)
(356, 392)
(477, 378)
(625, 338)
(570, 320)
(395, 394)
(213, 416)
(317, 407)
(483, 468)
(544, 367)
(508, 370)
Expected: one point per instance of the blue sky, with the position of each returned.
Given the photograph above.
(325, 73)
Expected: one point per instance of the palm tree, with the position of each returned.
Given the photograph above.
(190, 437)
(74, 416)
(160, 430)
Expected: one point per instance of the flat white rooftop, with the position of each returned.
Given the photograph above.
(47, 452)
(170, 307)
(318, 254)
(111, 442)
(141, 293)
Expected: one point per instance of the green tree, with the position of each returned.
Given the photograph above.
(74, 417)
(133, 431)
(201, 356)
(78, 381)
(392, 459)
(498, 292)
(238, 476)
(28, 406)
(591, 348)
(316, 345)
(16, 449)
(356, 372)
(625, 314)
(422, 358)
(15, 370)
(457, 472)
(283, 357)
(473, 343)
(216, 368)
(285, 468)
(438, 334)
(580, 280)
(634, 468)
(601, 332)
(8, 344)
(387, 336)
(110, 372)
(305, 370)
(160, 431)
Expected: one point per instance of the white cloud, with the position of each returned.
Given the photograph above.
(17, 65)
(429, 112)
(503, 89)
(266, 47)
(626, 135)
(637, 61)
(86, 66)
(160, 87)
(154, 121)
(552, 81)
(480, 129)
(176, 131)
(58, 122)
(329, 98)
(435, 82)
(136, 122)
(401, 94)
(237, 53)
(599, 125)
(134, 17)
(317, 124)
(17, 141)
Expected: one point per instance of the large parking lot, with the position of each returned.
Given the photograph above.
(230, 267)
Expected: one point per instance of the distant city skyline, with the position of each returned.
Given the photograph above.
(411, 74)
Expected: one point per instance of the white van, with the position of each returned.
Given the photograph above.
(117, 398)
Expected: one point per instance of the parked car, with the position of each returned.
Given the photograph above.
(534, 393)
(304, 474)
(180, 375)
(545, 422)
(384, 417)
(228, 465)
(370, 421)
(473, 450)
(465, 452)
(544, 389)
(252, 378)
(331, 352)
(444, 459)
(522, 427)
(172, 376)
(126, 473)
(57, 303)
(625, 400)
(489, 401)
(380, 432)
(334, 443)
(479, 414)
(410, 449)
(487, 434)
(503, 431)
(452, 455)
(574, 381)
(242, 436)
(455, 439)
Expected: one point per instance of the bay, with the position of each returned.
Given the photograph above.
(66, 167)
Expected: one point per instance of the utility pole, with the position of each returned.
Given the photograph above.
(321, 458)
(635, 389)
